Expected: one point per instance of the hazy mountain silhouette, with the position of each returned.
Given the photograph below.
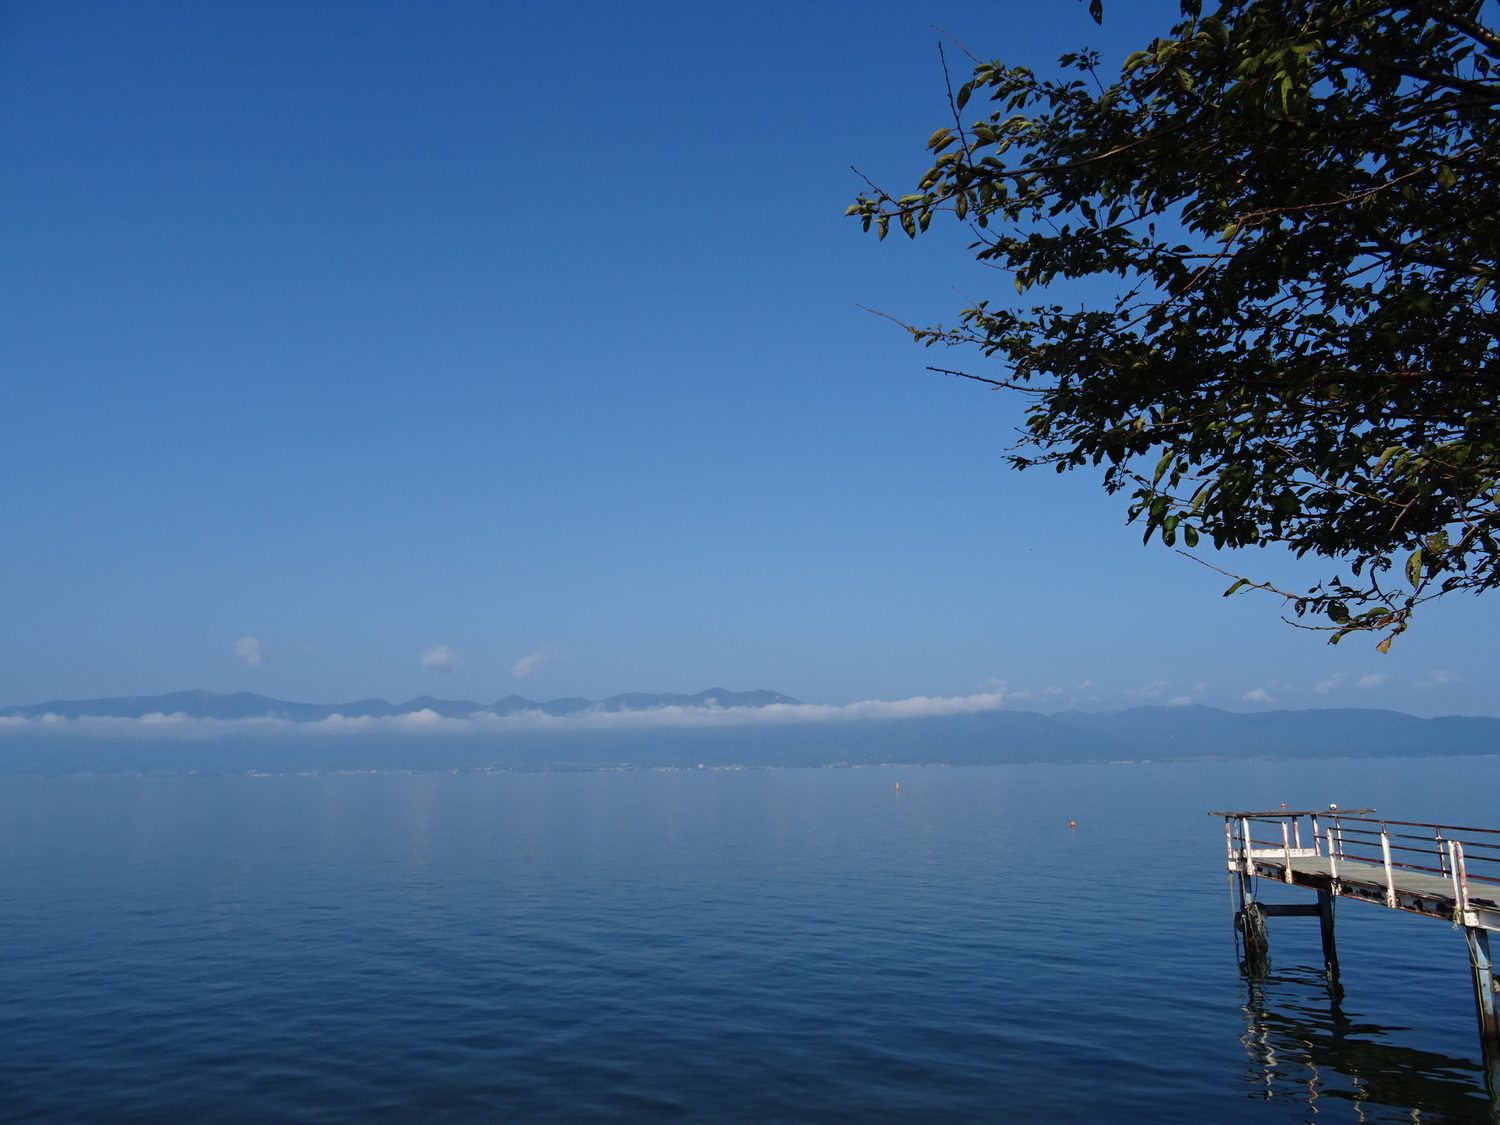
(972, 738)
(199, 704)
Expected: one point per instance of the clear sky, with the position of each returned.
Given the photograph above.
(359, 348)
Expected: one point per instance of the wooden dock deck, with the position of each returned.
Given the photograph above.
(1417, 891)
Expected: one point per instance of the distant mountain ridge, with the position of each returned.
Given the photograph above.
(199, 704)
(965, 738)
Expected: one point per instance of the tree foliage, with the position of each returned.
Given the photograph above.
(1297, 205)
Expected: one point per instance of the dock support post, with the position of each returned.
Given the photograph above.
(1251, 922)
(1325, 925)
(1484, 989)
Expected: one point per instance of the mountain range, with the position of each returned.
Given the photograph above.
(247, 705)
(816, 737)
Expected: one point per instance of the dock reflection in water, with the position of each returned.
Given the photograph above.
(1304, 1044)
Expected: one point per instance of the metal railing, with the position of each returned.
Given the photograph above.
(1350, 836)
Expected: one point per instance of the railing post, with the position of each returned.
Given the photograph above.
(1390, 881)
(1232, 865)
(1334, 848)
(1460, 879)
(1286, 849)
(1317, 849)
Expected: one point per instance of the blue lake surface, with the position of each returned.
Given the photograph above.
(715, 946)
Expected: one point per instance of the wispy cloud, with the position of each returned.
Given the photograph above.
(426, 721)
(1180, 701)
(1050, 696)
(1372, 681)
(443, 658)
(248, 649)
(1326, 686)
(532, 662)
(1438, 677)
(1259, 695)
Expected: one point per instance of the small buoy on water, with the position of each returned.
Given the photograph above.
(1072, 824)
(898, 787)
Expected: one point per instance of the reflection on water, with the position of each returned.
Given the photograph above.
(1304, 1044)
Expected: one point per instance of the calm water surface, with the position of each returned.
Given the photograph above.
(753, 946)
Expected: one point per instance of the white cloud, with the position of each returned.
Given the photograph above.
(443, 658)
(248, 649)
(1372, 681)
(1048, 695)
(1326, 686)
(532, 662)
(1438, 676)
(1153, 689)
(1259, 695)
(425, 721)
(1180, 701)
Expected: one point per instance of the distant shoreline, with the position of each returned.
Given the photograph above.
(769, 730)
(561, 768)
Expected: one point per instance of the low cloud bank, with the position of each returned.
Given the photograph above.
(428, 722)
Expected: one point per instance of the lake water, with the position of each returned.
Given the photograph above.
(714, 946)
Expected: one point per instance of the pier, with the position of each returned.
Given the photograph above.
(1437, 870)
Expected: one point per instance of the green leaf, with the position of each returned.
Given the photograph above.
(1414, 568)
(1162, 465)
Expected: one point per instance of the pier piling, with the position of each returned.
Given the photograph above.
(1484, 988)
(1325, 926)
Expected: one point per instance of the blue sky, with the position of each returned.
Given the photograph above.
(470, 348)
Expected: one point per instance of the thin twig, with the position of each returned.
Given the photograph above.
(959, 45)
